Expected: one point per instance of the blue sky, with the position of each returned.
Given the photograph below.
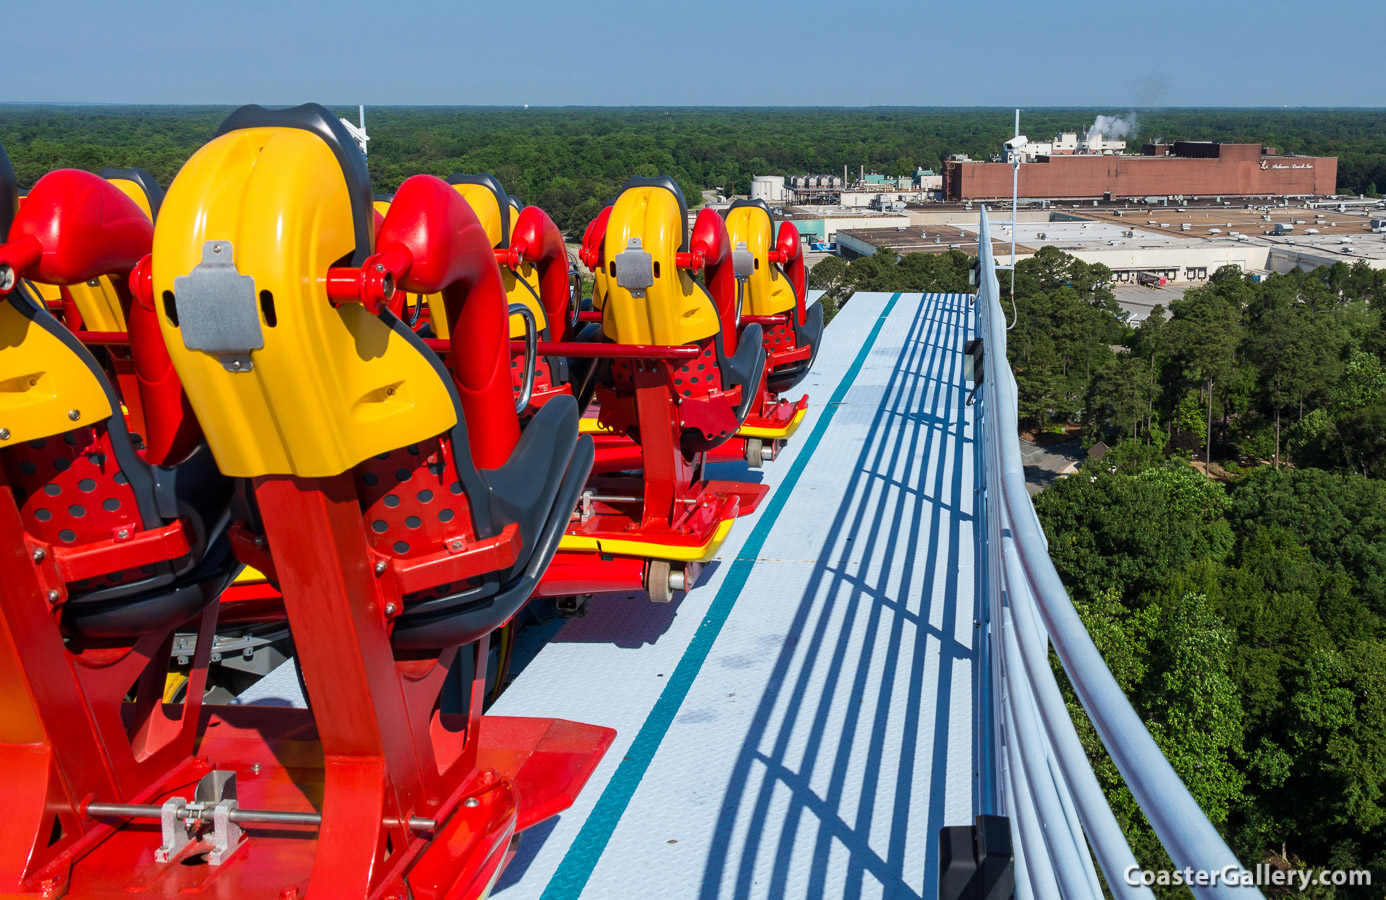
(718, 52)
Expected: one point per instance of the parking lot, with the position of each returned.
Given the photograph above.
(1138, 299)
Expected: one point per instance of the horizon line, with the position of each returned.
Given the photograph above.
(693, 106)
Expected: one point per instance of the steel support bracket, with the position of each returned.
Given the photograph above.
(177, 834)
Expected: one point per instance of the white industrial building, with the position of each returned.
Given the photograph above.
(927, 180)
(1178, 256)
(874, 199)
(1069, 143)
(1129, 252)
(769, 188)
(1313, 251)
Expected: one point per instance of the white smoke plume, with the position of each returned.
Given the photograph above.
(1113, 127)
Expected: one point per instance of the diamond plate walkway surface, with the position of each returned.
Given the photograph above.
(800, 724)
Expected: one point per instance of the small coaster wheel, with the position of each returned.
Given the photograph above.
(663, 578)
(755, 453)
(759, 451)
(657, 581)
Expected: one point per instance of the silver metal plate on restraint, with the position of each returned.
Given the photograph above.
(743, 261)
(217, 308)
(634, 268)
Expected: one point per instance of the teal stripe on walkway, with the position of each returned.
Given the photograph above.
(575, 870)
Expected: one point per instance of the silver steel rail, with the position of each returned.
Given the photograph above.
(237, 815)
(1034, 768)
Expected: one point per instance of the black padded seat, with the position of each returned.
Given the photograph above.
(809, 334)
(155, 598)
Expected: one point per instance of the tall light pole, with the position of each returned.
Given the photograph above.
(1014, 146)
(1018, 141)
(358, 131)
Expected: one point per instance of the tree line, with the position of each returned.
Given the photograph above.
(888, 271)
(571, 161)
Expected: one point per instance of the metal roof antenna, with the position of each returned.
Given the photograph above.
(359, 131)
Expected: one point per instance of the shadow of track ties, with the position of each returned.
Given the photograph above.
(900, 528)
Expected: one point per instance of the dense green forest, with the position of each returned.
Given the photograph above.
(1245, 622)
(1245, 616)
(571, 161)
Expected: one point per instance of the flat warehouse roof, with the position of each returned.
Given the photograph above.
(1246, 221)
(919, 238)
(1061, 234)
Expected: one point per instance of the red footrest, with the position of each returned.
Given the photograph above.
(548, 760)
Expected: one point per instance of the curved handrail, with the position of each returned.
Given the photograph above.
(1027, 610)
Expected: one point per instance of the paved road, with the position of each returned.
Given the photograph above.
(1043, 464)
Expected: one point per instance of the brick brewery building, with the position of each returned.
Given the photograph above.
(1186, 168)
